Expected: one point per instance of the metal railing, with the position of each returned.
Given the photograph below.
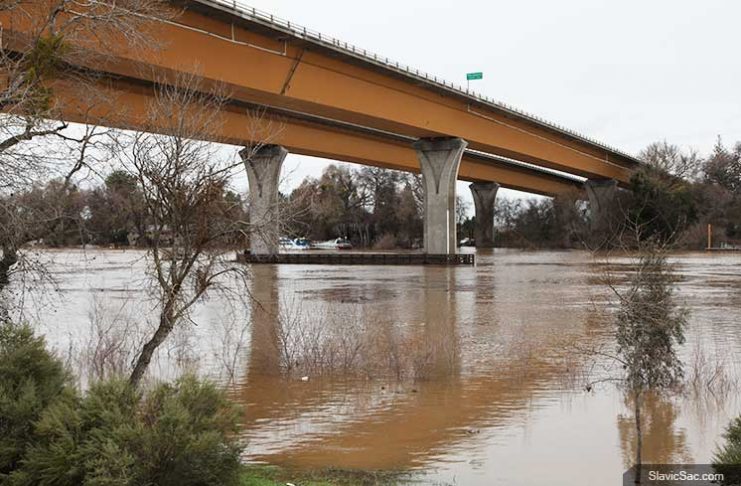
(241, 9)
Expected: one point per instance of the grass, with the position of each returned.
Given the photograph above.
(275, 476)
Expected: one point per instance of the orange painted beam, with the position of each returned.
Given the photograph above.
(126, 106)
(288, 73)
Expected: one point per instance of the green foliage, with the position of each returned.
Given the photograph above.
(723, 168)
(40, 65)
(31, 380)
(729, 454)
(122, 182)
(176, 434)
(661, 205)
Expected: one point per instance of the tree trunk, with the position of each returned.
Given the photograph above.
(639, 436)
(142, 363)
(10, 257)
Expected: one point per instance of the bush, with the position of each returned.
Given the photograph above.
(179, 434)
(173, 434)
(727, 458)
(32, 378)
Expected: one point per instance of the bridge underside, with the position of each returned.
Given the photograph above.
(125, 105)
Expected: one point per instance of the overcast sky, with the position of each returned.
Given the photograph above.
(625, 72)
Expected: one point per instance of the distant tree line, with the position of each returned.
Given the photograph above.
(114, 213)
(672, 198)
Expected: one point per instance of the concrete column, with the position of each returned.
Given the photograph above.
(263, 172)
(439, 159)
(484, 196)
(601, 193)
(265, 325)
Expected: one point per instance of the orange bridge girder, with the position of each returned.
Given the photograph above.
(267, 67)
(124, 105)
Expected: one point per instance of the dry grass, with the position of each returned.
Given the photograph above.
(329, 342)
(116, 332)
(711, 375)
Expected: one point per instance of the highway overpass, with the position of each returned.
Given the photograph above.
(340, 102)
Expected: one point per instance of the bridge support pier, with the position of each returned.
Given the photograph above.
(601, 193)
(439, 159)
(484, 197)
(263, 172)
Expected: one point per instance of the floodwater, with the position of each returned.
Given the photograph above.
(455, 375)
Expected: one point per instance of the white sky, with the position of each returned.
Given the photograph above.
(625, 72)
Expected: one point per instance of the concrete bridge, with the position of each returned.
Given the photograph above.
(339, 102)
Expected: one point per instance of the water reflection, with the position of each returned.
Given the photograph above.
(663, 441)
(484, 350)
(265, 345)
(386, 423)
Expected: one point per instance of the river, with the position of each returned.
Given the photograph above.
(455, 375)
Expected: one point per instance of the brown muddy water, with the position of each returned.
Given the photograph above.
(457, 375)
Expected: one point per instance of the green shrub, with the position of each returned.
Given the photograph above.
(663, 206)
(31, 379)
(727, 459)
(176, 434)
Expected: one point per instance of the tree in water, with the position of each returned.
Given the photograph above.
(649, 327)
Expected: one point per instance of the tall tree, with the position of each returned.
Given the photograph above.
(723, 167)
(183, 182)
(670, 159)
(58, 36)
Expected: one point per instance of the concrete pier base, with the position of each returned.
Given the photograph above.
(263, 167)
(484, 197)
(439, 159)
(601, 194)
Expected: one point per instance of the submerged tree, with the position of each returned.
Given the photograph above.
(649, 327)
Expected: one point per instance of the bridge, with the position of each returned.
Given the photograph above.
(337, 101)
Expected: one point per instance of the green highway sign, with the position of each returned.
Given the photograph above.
(472, 76)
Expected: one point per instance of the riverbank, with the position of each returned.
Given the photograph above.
(276, 476)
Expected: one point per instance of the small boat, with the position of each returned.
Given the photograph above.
(301, 244)
(336, 244)
(297, 244)
(343, 244)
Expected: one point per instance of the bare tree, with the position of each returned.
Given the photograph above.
(42, 42)
(189, 222)
(670, 159)
(51, 41)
